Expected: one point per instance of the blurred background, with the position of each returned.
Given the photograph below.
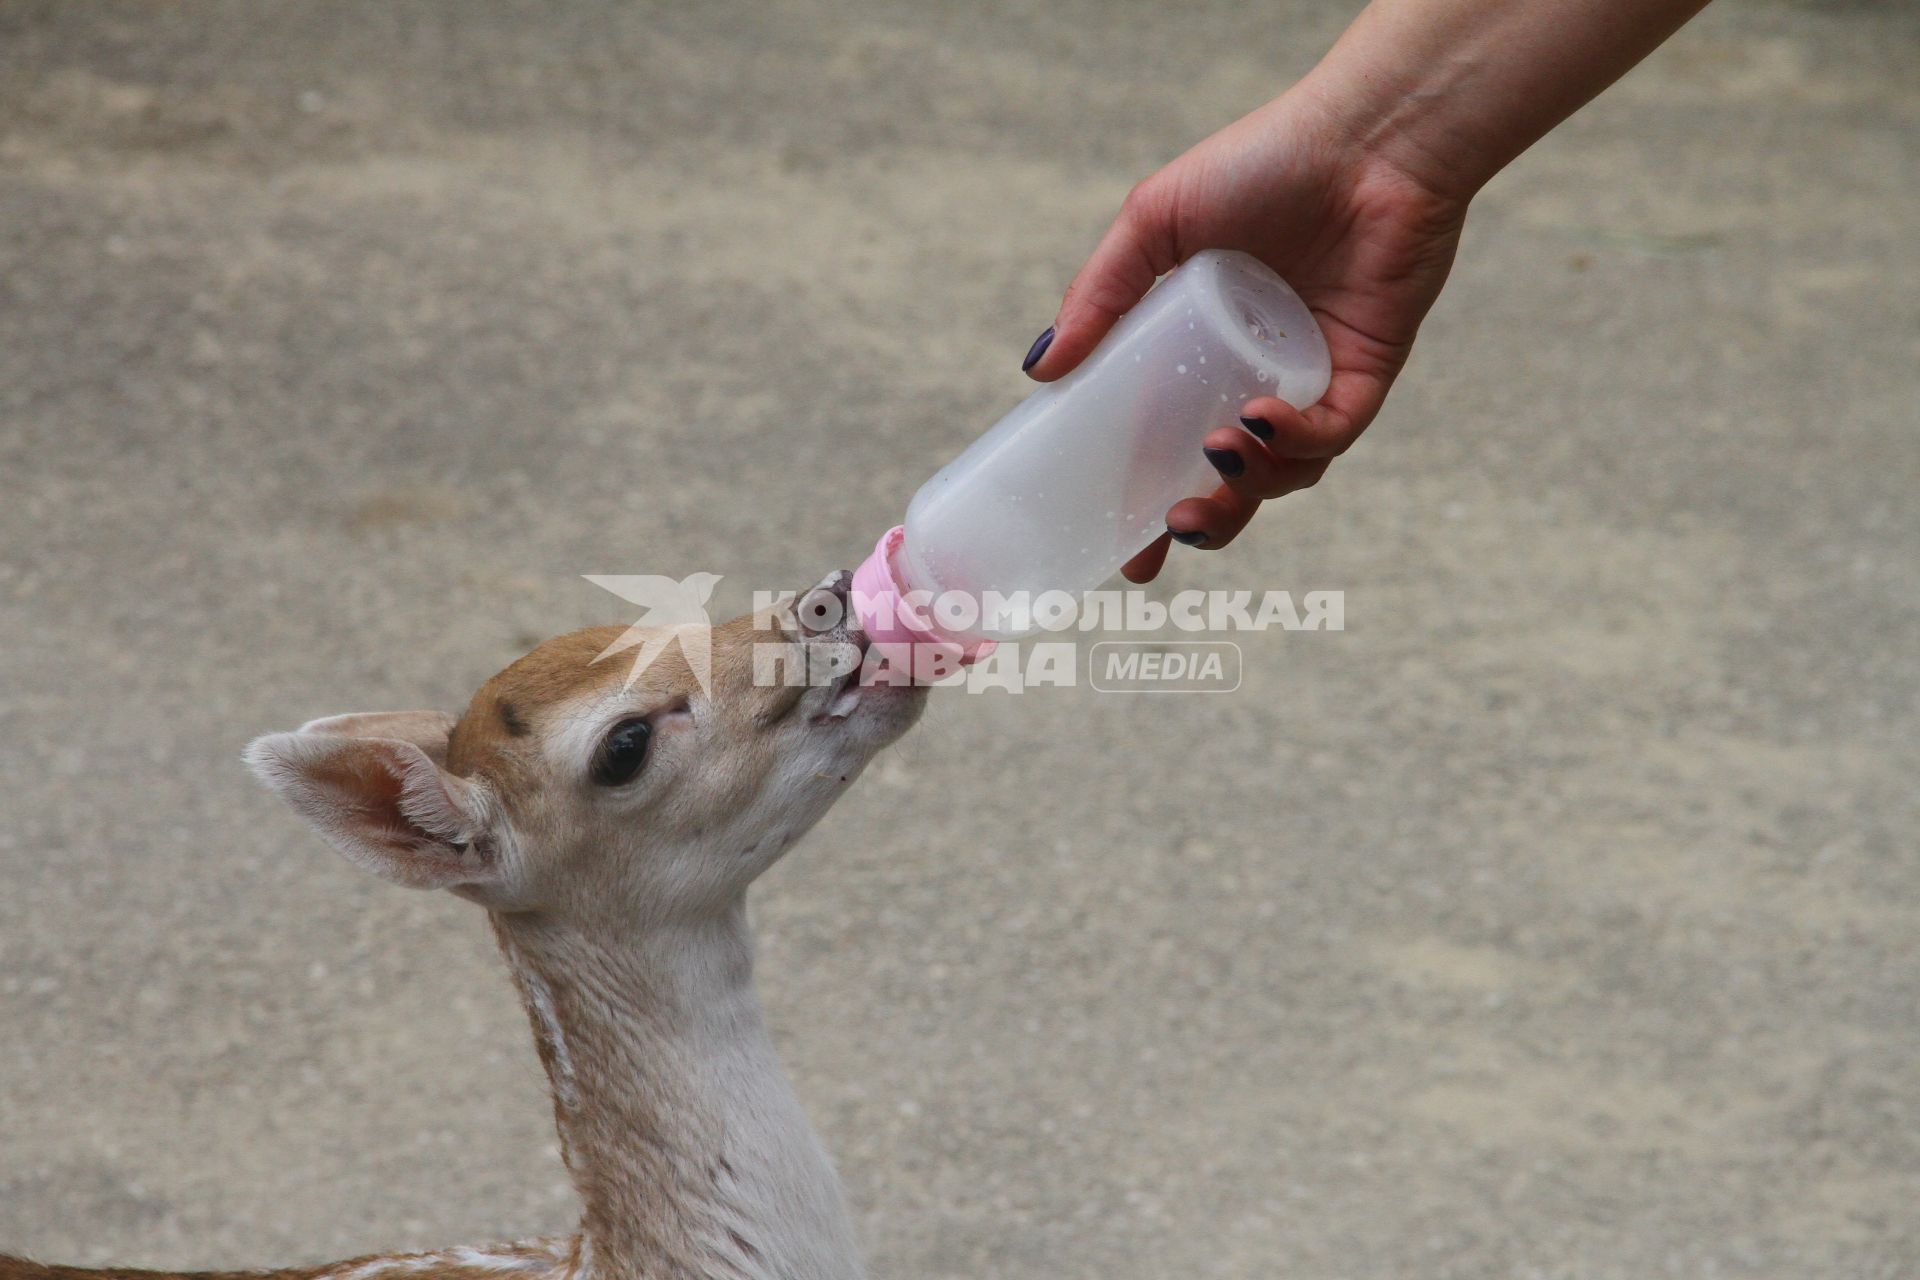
(1556, 919)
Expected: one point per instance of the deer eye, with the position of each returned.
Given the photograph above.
(622, 753)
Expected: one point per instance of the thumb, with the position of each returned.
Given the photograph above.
(1122, 267)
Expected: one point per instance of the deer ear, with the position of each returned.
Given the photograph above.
(374, 788)
(427, 730)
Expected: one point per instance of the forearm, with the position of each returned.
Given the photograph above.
(1452, 90)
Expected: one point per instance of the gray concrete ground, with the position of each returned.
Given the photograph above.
(1557, 919)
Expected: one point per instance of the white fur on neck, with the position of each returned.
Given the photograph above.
(688, 1145)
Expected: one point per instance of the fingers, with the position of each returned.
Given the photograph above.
(1129, 258)
(1251, 470)
(1213, 521)
(1273, 453)
(1145, 567)
(1288, 433)
(1250, 474)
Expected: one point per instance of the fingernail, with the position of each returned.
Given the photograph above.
(1226, 462)
(1188, 537)
(1261, 428)
(1038, 349)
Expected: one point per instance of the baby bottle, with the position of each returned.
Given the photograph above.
(1077, 479)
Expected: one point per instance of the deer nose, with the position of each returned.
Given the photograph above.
(827, 608)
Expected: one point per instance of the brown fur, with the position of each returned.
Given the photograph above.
(523, 1260)
(26, 1269)
(485, 739)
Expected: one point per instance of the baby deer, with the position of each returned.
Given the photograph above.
(610, 829)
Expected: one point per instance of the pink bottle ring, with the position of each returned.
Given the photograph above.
(889, 617)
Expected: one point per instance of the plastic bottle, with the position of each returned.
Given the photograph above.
(1077, 479)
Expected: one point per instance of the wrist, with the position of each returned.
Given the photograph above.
(1364, 143)
(1449, 93)
(1394, 124)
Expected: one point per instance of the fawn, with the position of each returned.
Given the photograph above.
(610, 827)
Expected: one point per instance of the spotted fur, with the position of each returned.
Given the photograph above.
(551, 1258)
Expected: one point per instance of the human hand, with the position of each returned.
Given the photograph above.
(1364, 241)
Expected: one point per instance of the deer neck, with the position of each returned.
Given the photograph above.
(691, 1154)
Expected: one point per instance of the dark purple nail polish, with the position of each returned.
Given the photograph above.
(1038, 349)
(1261, 428)
(1188, 537)
(1226, 462)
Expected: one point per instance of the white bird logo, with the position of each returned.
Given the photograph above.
(670, 611)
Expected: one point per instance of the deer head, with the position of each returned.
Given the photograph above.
(574, 789)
